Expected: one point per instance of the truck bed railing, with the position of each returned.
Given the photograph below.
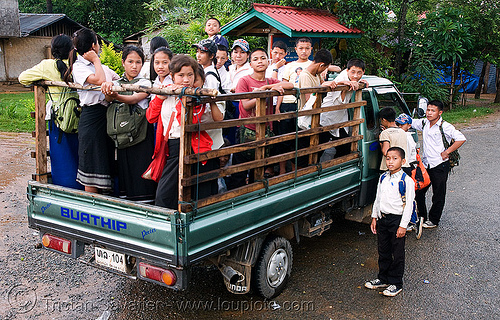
(187, 159)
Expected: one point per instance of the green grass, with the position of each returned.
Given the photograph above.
(463, 114)
(15, 109)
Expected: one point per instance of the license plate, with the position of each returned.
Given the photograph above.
(110, 259)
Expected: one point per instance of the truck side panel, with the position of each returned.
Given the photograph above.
(232, 223)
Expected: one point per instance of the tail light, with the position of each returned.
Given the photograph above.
(165, 276)
(56, 243)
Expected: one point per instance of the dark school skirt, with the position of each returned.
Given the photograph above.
(95, 148)
(167, 193)
(63, 157)
(132, 162)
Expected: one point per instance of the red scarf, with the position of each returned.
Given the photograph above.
(200, 141)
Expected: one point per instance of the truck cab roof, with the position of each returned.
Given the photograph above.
(375, 81)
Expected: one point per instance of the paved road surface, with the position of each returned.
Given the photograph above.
(451, 273)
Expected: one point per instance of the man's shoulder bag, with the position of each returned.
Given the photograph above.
(454, 156)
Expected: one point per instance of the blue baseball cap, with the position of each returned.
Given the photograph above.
(403, 119)
(243, 44)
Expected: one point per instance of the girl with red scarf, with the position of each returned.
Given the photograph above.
(166, 112)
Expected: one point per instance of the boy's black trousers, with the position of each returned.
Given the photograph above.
(439, 177)
(391, 250)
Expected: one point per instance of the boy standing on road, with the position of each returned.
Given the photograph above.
(390, 218)
(435, 158)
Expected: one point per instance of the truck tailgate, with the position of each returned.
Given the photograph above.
(142, 231)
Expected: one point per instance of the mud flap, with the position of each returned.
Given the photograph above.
(362, 215)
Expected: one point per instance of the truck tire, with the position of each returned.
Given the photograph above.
(273, 267)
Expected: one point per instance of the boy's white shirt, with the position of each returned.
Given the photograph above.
(236, 75)
(216, 134)
(388, 199)
(224, 78)
(334, 98)
(432, 140)
(281, 71)
(411, 147)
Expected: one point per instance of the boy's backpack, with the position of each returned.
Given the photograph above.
(126, 124)
(66, 111)
(419, 174)
(453, 157)
(216, 75)
(402, 193)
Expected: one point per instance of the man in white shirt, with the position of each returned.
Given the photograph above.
(435, 158)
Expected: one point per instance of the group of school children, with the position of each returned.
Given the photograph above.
(396, 191)
(149, 170)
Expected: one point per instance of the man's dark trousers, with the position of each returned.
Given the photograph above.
(439, 177)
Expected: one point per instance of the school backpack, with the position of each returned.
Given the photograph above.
(419, 174)
(66, 111)
(402, 193)
(126, 124)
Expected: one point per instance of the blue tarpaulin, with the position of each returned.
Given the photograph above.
(469, 80)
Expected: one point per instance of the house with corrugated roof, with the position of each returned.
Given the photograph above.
(288, 24)
(25, 38)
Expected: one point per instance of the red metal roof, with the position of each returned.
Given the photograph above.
(304, 19)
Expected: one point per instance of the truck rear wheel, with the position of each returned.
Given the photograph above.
(273, 267)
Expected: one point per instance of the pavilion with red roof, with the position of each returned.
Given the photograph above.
(288, 22)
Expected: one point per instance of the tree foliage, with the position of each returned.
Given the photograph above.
(113, 20)
(113, 59)
(405, 40)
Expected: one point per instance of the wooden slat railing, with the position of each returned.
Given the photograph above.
(187, 159)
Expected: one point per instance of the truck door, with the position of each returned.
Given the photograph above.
(390, 97)
(370, 149)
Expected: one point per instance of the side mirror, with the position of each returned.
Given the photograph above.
(422, 107)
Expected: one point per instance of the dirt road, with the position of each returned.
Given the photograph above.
(451, 272)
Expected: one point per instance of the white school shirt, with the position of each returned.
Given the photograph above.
(433, 141)
(145, 70)
(281, 71)
(269, 74)
(225, 79)
(82, 69)
(167, 81)
(334, 98)
(236, 75)
(411, 148)
(388, 199)
(216, 134)
(144, 103)
(168, 110)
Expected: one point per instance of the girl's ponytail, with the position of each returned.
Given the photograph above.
(83, 40)
(72, 58)
(60, 47)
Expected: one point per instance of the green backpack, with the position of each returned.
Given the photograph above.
(126, 124)
(66, 111)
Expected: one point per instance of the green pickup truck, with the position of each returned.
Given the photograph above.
(246, 235)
